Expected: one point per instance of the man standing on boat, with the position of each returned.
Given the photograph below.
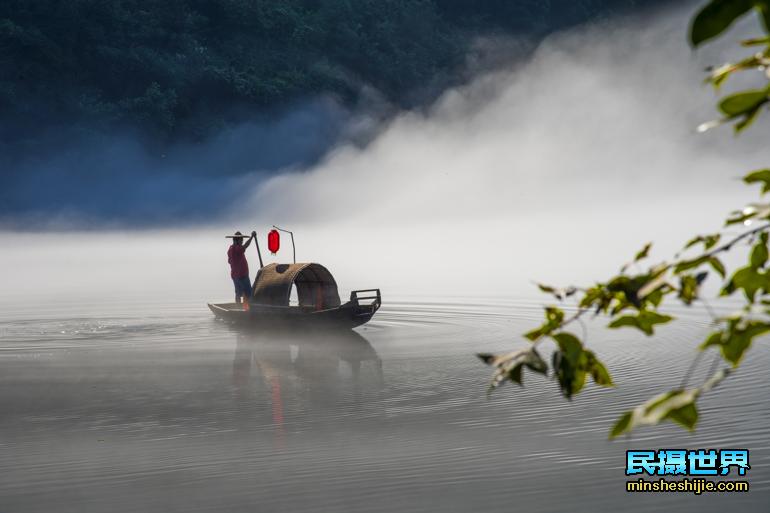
(239, 267)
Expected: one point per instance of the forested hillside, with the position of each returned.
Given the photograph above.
(185, 68)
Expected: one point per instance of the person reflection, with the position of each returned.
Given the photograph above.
(302, 372)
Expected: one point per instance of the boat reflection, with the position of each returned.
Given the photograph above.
(301, 374)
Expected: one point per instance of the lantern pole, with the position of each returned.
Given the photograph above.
(259, 253)
(293, 248)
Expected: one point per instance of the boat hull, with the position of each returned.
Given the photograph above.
(346, 316)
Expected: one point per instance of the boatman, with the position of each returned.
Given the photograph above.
(239, 267)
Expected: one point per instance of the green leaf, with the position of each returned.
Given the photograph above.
(759, 252)
(644, 321)
(690, 264)
(534, 334)
(714, 339)
(487, 358)
(553, 319)
(546, 288)
(737, 342)
(750, 211)
(760, 176)
(626, 289)
(572, 363)
(569, 373)
(654, 298)
(741, 216)
(715, 18)
(568, 343)
(688, 288)
(558, 293)
(736, 339)
(722, 73)
(643, 252)
(677, 406)
(622, 425)
(592, 296)
(568, 364)
(756, 41)
(718, 266)
(535, 363)
(687, 416)
(693, 241)
(708, 241)
(508, 367)
(748, 119)
(747, 279)
(515, 374)
(599, 373)
(652, 291)
(743, 102)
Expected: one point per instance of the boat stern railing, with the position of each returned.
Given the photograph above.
(365, 301)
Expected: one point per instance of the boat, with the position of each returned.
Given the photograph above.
(318, 301)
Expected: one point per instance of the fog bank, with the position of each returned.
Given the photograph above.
(557, 170)
(81, 178)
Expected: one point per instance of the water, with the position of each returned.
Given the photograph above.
(132, 406)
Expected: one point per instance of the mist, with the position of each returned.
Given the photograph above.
(556, 170)
(84, 178)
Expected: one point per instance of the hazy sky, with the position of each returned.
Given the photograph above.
(557, 170)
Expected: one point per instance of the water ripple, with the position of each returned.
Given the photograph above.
(391, 417)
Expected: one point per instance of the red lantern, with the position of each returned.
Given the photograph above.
(273, 241)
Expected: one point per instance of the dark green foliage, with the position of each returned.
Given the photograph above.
(740, 103)
(708, 241)
(677, 406)
(716, 17)
(185, 67)
(753, 278)
(761, 176)
(644, 321)
(572, 363)
(689, 286)
(736, 338)
(558, 293)
(743, 106)
(189, 64)
(643, 252)
(554, 318)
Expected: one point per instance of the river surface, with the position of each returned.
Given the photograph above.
(144, 407)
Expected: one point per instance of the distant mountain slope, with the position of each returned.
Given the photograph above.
(185, 68)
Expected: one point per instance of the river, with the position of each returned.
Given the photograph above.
(137, 406)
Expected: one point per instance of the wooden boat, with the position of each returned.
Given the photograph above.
(318, 305)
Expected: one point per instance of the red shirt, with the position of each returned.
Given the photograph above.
(236, 257)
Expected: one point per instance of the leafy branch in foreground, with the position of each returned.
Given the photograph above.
(676, 405)
(741, 107)
(634, 300)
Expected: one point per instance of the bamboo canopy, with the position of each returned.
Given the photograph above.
(315, 285)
